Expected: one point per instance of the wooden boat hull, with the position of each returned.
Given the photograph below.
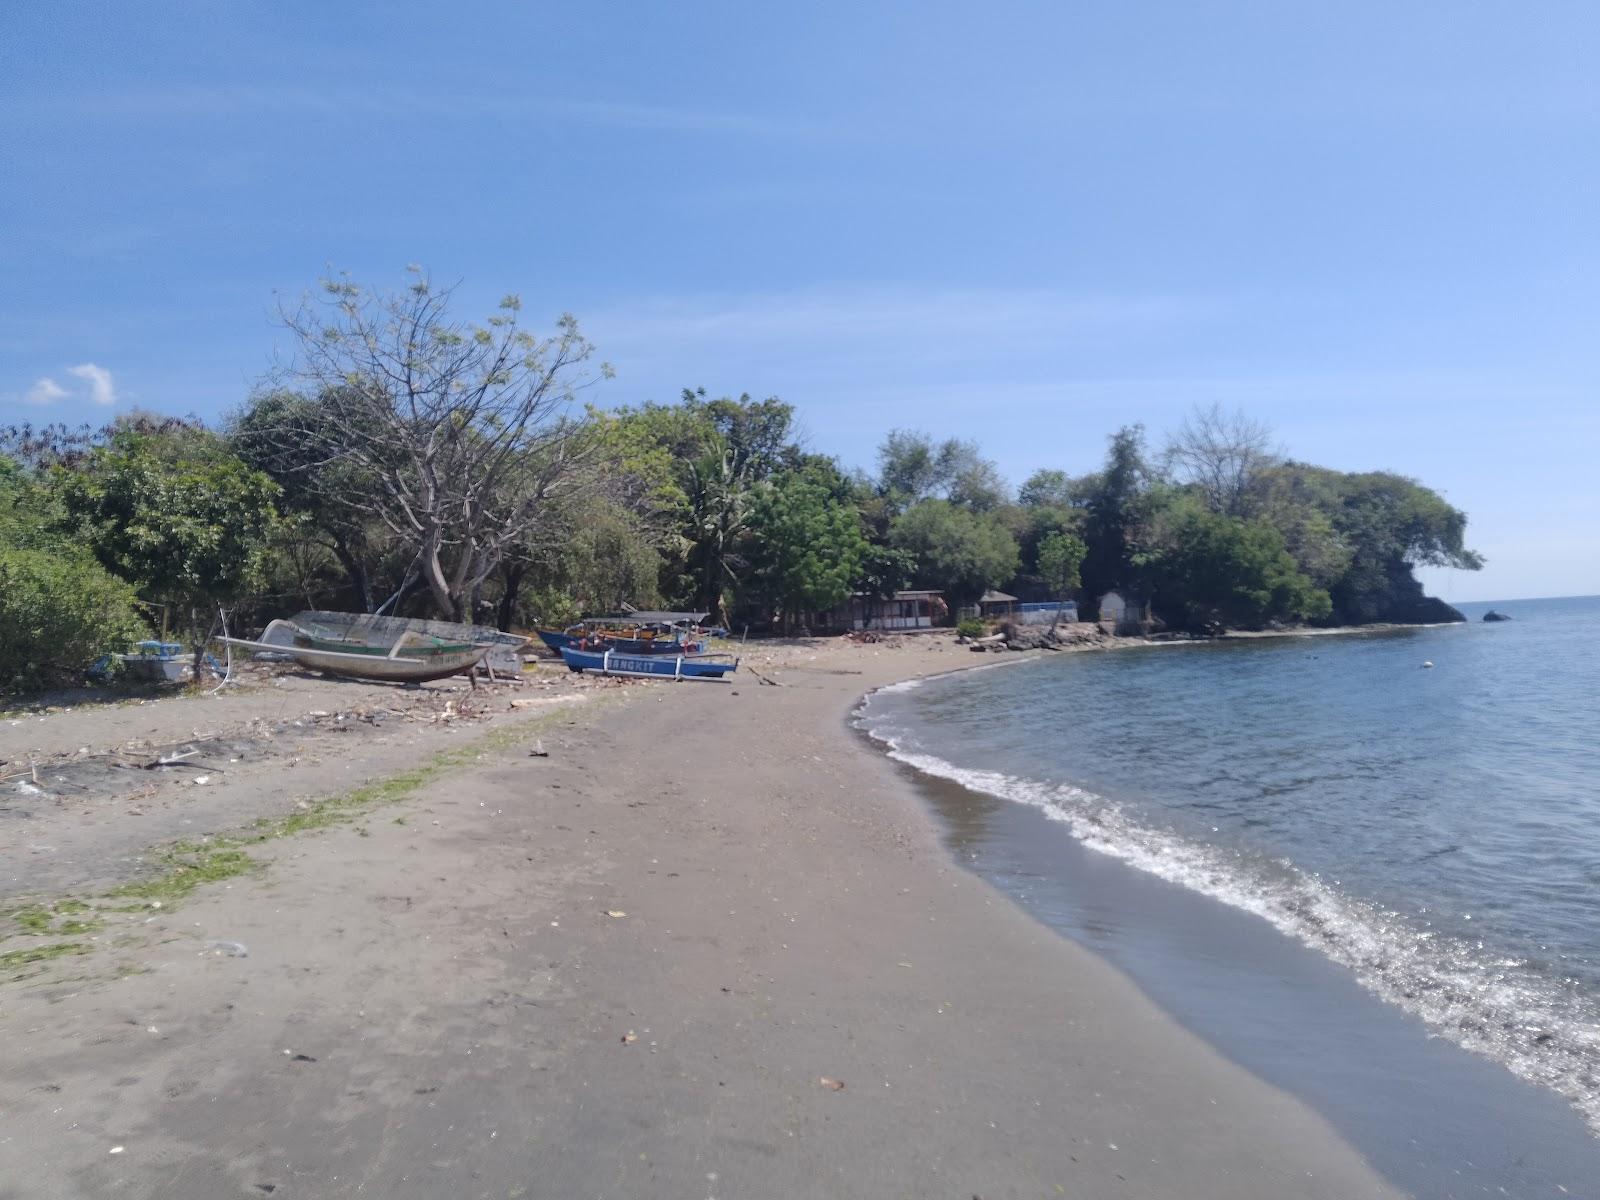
(339, 645)
(387, 670)
(399, 665)
(649, 666)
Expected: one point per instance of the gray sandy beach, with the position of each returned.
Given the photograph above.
(712, 946)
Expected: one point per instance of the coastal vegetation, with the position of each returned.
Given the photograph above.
(403, 460)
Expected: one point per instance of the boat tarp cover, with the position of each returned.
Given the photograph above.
(654, 618)
(383, 631)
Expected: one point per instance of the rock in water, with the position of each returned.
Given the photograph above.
(1491, 615)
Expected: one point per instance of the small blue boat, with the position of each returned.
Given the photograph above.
(665, 643)
(661, 666)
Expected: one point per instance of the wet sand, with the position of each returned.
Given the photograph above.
(626, 970)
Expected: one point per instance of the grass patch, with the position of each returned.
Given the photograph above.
(13, 959)
(40, 920)
(36, 918)
(187, 866)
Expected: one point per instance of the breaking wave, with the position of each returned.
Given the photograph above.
(1544, 1028)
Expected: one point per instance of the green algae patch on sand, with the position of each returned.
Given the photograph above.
(183, 867)
(64, 918)
(187, 865)
(28, 956)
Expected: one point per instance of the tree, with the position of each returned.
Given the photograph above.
(1210, 571)
(1060, 555)
(1392, 524)
(807, 544)
(1222, 454)
(441, 416)
(602, 541)
(58, 613)
(957, 551)
(59, 609)
(912, 468)
(178, 516)
(722, 449)
(1116, 512)
(333, 494)
(1049, 488)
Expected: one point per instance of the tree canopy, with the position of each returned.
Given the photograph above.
(405, 460)
(957, 551)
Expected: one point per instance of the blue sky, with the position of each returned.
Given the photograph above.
(1372, 225)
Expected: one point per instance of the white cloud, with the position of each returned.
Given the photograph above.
(101, 390)
(45, 391)
(94, 384)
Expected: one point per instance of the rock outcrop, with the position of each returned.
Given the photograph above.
(1491, 615)
(1042, 637)
(1388, 594)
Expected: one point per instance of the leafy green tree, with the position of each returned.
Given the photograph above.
(912, 467)
(59, 610)
(807, 544)
(604, 537)
(1392, 524)
(958, 551)
(178, 516)
(1208, 571)
(883, 570)
(1049, 488)
(58, 613)
(1060, 556)
(1359, 535)
(722, 449)
(1116, 516)
(287, 436)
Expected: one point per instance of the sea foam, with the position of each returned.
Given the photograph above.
(1542, 1030)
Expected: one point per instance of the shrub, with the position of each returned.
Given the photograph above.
(58, 613)
(970, 628)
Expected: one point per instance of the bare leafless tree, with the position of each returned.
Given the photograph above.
(1222, 453)
(460, 432)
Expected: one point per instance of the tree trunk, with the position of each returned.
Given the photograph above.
(514, 573)
(433, 573)
(199, 646)
(360, 582)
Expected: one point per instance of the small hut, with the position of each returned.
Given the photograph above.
(996, 604)
(1123, 611)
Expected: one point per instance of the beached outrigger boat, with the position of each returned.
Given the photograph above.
(664, 633)
(412, 657)
(625, 641)
(658, 666)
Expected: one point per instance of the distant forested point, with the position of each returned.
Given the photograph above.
(410, 462)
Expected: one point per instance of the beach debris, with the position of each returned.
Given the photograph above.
(118, 1149)
(293, 1057)
(833, 1085)
(538, 750)
(615, 912)
(231, 949)
(1427, 665)
(629, 1038)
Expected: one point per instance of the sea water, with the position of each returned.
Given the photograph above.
(1420, 808)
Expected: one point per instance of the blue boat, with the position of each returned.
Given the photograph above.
(662, 666)
(577, 636)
